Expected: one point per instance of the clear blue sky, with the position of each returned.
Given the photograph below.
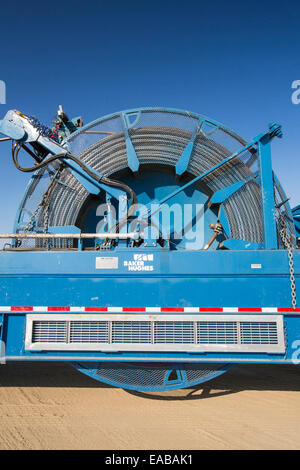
(230, 60)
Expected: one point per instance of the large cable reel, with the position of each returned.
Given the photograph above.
(171, 147)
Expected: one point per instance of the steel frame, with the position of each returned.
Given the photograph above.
(261, 277)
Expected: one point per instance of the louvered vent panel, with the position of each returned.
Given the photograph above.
(212, 333)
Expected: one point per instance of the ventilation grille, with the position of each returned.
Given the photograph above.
(174, 332)
(258, 332)
(217, 332)
(247, 333)
(88, 332)
(49, 331)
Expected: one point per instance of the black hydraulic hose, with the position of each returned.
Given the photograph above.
(118, 184)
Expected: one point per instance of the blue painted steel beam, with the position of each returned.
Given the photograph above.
(267, 192)
(89, 183)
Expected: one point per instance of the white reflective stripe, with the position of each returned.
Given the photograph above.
(77, 309)
(269, 309)
(230, 309)
(115, 309)
(40, 309)
(153, 309)
(4, 309)
(191, 309)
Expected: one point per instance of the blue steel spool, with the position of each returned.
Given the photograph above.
(193, 128)
(149, 377)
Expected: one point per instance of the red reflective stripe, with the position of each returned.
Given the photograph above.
(208, 309)
(95, 309)
(58, 309)
(134, 309)
(21, 309)
(249, 309)
(172, 309)
(288, 309)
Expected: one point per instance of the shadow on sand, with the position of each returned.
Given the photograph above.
(237, 379)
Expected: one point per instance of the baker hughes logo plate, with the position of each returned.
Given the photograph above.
(140, 262)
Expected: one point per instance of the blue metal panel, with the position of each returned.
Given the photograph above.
(9, 128)
(260, 279)
(235, 244)
(296, 219)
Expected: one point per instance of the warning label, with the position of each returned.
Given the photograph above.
(140, 262)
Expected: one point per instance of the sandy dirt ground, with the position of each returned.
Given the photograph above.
(53, 406)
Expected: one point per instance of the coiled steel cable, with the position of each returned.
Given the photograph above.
(164, 146)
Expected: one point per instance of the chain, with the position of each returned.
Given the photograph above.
(288, 243)
(30, 221)
(45, 202)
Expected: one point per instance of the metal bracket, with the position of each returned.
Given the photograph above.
(133, 161)
(183, 162)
